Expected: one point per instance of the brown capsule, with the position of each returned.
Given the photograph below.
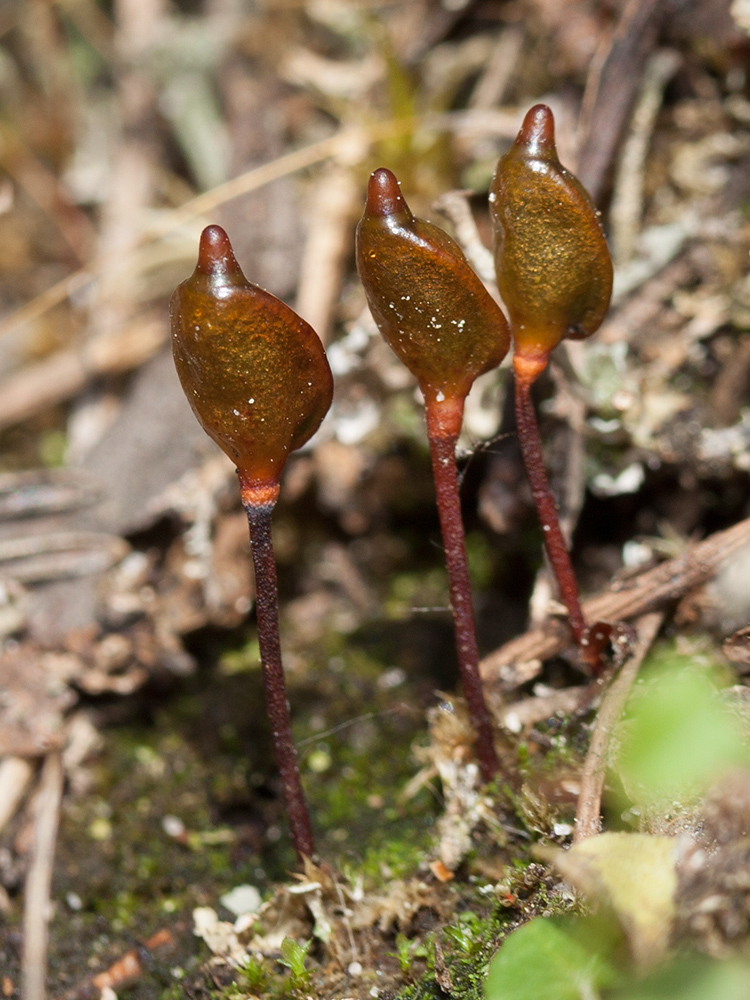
(429, 305)
(254, 372)
(553, 266)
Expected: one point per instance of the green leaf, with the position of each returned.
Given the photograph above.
(633, 874)
(679, 735)
(691, 978)
(293, 957)
(552, 958)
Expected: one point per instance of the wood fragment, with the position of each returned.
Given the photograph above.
(527, 712)
(333, 214)
(628, 197)
(627, 599)
(129, 968)
(39, 880)
(588, 811)
(124, 972)
(15, 776)
(64, 374)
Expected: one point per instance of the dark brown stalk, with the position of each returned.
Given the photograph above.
(443, 454)
(277, 705)
(554, 543)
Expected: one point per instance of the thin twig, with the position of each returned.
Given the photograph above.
(627, 201)
(611, 89)
(613, 704)
(39, 879)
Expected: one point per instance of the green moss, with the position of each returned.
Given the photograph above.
(482, 557)
(455, 959)
(204, 757)
(354, 773)
(416, 590)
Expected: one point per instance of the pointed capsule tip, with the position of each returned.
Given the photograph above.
(384, 194)
(215, 252)
(537, 133)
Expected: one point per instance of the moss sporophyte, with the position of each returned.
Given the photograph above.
(554, 273)
(442, 323)
(257, 378)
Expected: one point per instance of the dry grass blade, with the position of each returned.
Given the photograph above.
(629, 193)
(39, 879)
(334, 210)
(204, 203)
(494, 122)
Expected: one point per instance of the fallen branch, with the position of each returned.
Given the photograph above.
(627, 599)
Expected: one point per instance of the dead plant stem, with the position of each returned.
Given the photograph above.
(588, 818)
(625, 600)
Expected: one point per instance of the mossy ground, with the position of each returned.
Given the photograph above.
(181, 805)
(203, 757)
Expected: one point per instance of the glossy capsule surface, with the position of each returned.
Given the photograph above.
(428, 303)
(553, 265)
(254, 372)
